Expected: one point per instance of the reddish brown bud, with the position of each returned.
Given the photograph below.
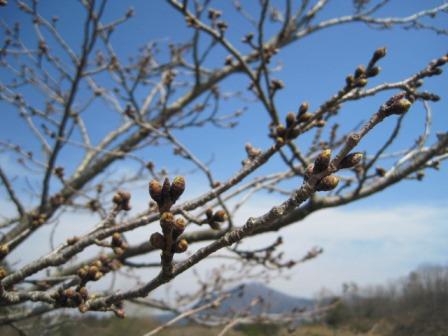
(155, 191)
(351, 160)
(209, 213)
(327, 183)
(157, 241)
(219, 216)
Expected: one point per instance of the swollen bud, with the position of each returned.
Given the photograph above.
(167, 221)
(351, 160)
(303, 109)
(181, 246)
(219, 216)
(4, 250)
(327, 183)
(177, 188)
(322, 161)
(155, 191)
(397, 104)
(290, 119)
(157, 241)
(379, 53)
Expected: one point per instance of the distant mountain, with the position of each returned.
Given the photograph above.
(270, 301)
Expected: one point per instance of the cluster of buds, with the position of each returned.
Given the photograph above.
(321, 164)
(283, 133)
(252, 153)
(215, 219)
(435, 67)
(37, 219)
(169, 241)
(121, 200)
(97, 269)
(167, 194)
(360, 77)
(71, 297)
(397, 104)
(118, 244)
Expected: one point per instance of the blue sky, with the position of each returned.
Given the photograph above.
(313, 69)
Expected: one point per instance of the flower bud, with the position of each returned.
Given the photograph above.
(3, 273)
(118, 251)
(305, 117)
(380, 171)
(360, 71)
(157, 241)
(116, 239)
(351, 160)
(219, 216)
(322, 161)
(327, 183)
(4, 250)
(166, 191)
(280, 131)
(397, 104)
(303, 108)
(374, 71)
(177, 188)
(155, 191)
(378, 54)
(181, 246)
(290, 119)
